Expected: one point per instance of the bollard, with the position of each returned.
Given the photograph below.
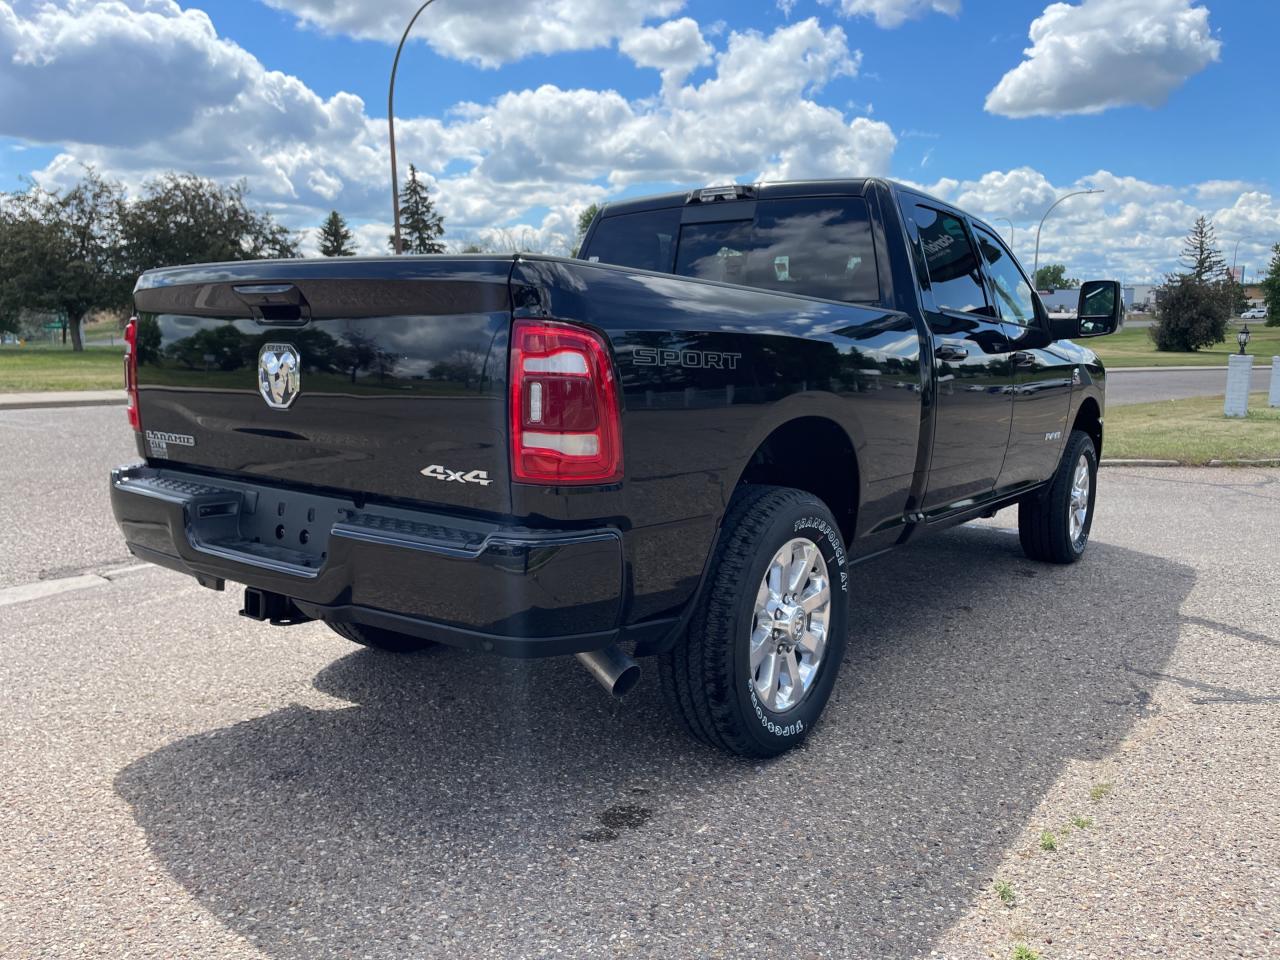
(1239, 376)
(1274, 398)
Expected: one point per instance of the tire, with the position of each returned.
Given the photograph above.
(708, 677)
(378, 638)
(1045, 521)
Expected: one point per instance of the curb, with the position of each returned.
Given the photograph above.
(1111, 370)
(1263, 367)
(34, 402)
(1273, 462)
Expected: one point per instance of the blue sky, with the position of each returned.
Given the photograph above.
(520, 123)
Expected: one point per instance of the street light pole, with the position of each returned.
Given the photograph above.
(1036, 269)
(391, 127)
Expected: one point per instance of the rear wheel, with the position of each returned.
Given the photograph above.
(755, 669)
(1055, 526)
(378, 638)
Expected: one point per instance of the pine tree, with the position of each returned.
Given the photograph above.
(1200, 253)
(1192, 308)
(1271, 288)
(421, 228)
(335, 238)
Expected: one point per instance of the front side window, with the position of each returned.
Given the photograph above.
(954, 273)
(1014, 298)
(817, 247)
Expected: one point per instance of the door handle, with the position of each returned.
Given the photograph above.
(951, 351)
(1024, 358)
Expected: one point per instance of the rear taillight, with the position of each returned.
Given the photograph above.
(565, 423)
(131, 371)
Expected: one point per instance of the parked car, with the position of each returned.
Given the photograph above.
(1257, 313)
(675, 447)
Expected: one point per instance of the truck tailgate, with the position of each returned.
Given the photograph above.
(382, 378)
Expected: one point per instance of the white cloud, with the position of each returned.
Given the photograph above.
(486, 32)
(518, 169)
(165, 65)
(1099, 54)
(676, 48)
(894, 13)
(523, 163)
(1134, 230)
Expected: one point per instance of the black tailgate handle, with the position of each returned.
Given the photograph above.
(275, 303)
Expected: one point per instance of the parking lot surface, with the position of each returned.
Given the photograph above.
(179, 782)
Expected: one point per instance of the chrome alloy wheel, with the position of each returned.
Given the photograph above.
(1078, 507)
(789, 629)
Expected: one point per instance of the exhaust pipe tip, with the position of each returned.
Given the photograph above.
(612, 669)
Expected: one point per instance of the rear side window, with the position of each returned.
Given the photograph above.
(818, 247)
(646, 241)
(954, 272)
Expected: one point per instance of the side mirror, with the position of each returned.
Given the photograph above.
(1101, 309)
(1064, 328)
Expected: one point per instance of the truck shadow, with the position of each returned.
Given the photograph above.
(468, 806)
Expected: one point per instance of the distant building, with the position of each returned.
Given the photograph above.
(1140, 296)
(1066, 300)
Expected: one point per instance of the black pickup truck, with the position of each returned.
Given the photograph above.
(672, 446)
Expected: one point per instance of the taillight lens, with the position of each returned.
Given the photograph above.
(565, 423)
(131, 372)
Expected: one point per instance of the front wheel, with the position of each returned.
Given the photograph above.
(1055, 525)
(755, 669)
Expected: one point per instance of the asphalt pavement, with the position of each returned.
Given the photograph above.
(176, 781)
(1145, 386)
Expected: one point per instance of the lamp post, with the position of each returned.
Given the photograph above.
(391, 126)
(1243, 337)
(1010, 223)
(1036, 269)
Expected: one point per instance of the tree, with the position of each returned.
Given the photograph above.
(1271, 288)
(182, 219)
(1200, 254)
(1053, 276)
(335, 238)
(584, 224)
(61, 252)
(1189, 315)
(421, 228)
(1193, 307)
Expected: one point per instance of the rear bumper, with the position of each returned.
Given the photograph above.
(513, 591)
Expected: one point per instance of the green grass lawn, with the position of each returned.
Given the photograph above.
(45, 367)
(1192, 431)
(1133, 348)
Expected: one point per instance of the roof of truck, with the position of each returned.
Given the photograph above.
(762, 191)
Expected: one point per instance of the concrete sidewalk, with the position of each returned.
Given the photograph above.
(61, 398)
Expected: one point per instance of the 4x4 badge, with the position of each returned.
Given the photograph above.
(437, 472)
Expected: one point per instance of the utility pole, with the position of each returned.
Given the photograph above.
(391, 127)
